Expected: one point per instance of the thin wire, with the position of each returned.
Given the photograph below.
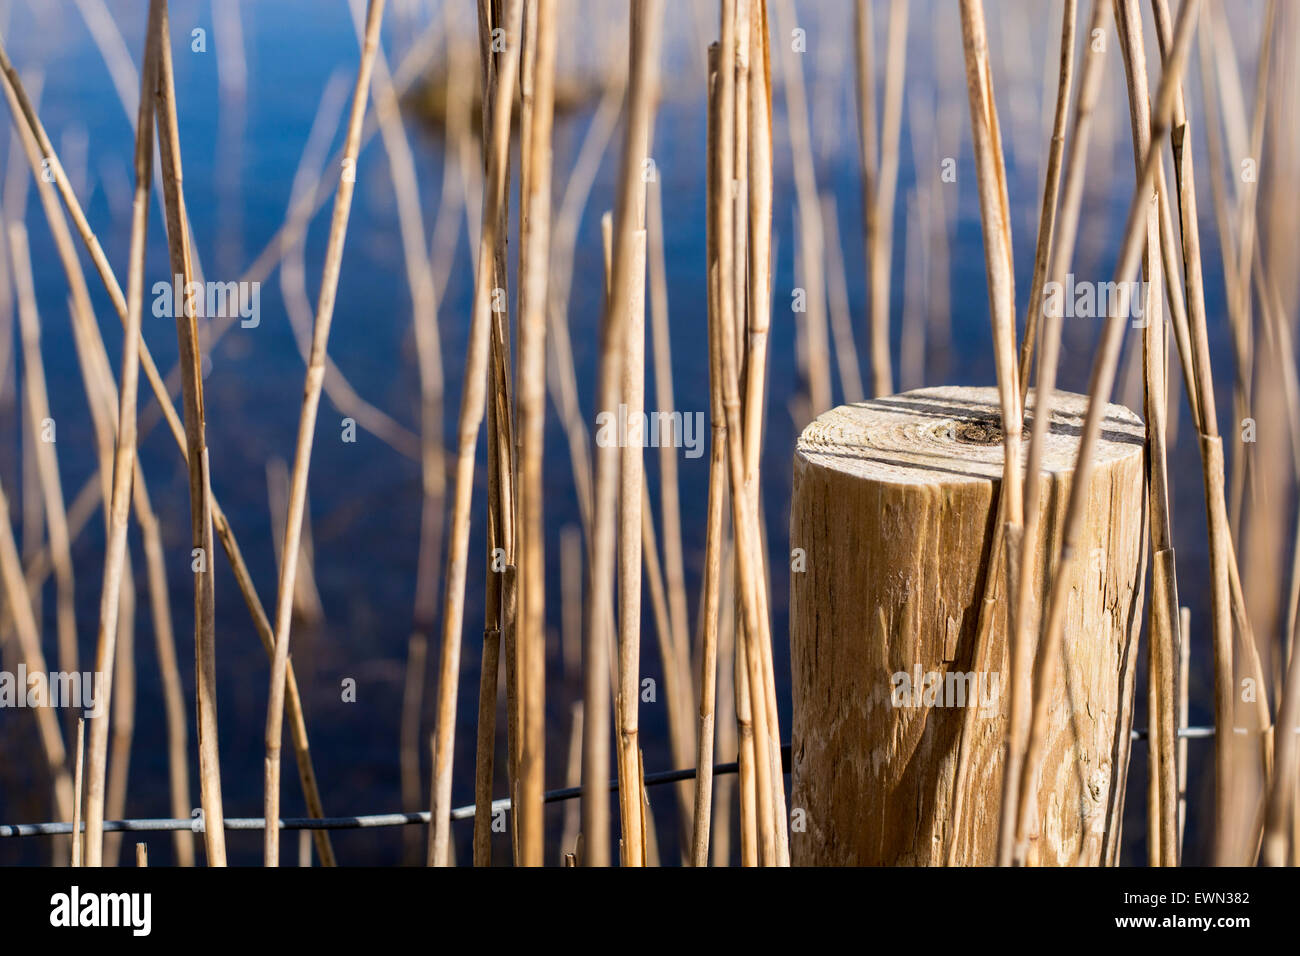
(1187, 733)
(408, 819)
(349, 823)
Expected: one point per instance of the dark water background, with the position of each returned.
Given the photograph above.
(364, 496)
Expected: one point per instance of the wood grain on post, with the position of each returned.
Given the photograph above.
(891, 519)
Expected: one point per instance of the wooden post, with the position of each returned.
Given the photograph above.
(891, 520)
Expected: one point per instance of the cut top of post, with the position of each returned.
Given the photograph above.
(953, 433)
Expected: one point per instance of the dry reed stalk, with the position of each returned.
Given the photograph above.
(1249, 189)
(1162, 733)
(470, 190)
(644, 29)
(41, 156)
(1062, 254)
(762, 575)
(944, 138)
(43, 160)
(1266, 462)
(753, 151)
(117, 60)
(1281, 786)
(561, 377)
(570, 836)
(500, 605)
(1222, 63)
(746, 757)
(1102, 379)
(103, 400)
(571, 616)
(816, 353)
(506, 613)
(680, 745)
(93, 364)
(1184, 682)
(460, 179)
(1279, 341)
(160, 611)
(1239, 319)
(78, 780)
(911, 345)
(532, 420)
(1278, 296)
(1280, 796)
(864, 37)
(306, 598)
(846, 351)
(503, 428)
(485, 746)
(631, 490)
(408, 71)
(191, 362)
(431, 455)
(676, 696)
(1162, 613)
(293, 286)
(424, 306)
(110, 43)
(740, 173)
(680, 686)
(880, 238)
(124, 452)
(713, 543)
(1174, 296)
(123, 721)
(29, 646)
(562, 380)
(994, 216)
(1293, 402)
(709, 649)
(32, 507)
(745, 521)
(417, 662)
(571, 657)
(473, 404)
(932, 294)
(647, 824)
(306, 435)
(38, 409)
(1222, 561)
(759, 201)
(485, 736)
(1051, 193)
(756, 775)
(112, 47)
(725, 720)
(762, 256)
